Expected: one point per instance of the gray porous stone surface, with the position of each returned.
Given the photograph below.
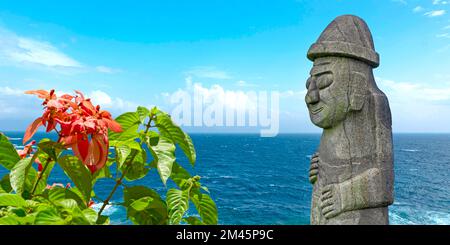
(352, 171)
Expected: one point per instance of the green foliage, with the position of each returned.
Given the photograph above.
(137, 166)
(172, 131)
(206, 207)
(148, 141)
(164, 155)
(13, 200)
(8, 154)
(130, 122)
(79, 174)
(145, 206)
(19, 174)
(5, 184)
(178, 204)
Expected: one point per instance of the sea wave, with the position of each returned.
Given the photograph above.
(410, 216)
(109, 209)
(14, 139)
(410, 150)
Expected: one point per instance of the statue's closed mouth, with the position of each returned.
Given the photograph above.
(317, 110)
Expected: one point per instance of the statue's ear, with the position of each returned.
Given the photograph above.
(357, 95)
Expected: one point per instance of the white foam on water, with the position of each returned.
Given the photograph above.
(227, 177)
(410, 150)
(14, 139)
(401, 215)
(109, 209)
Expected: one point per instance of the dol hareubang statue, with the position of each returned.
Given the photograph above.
(352, 172)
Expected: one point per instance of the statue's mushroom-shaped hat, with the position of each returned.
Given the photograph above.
(346, 36)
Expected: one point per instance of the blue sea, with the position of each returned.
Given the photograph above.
(256, 180)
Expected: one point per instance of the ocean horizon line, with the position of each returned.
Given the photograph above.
(249, 133)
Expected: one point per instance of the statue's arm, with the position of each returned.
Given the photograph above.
(370, 189)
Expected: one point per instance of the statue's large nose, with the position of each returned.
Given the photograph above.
(312, 96)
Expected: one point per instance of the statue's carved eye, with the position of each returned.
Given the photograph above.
(308, 82)
(324, 80)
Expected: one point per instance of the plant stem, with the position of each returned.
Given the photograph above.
(124, 172)
(47, 162)
(41, 174)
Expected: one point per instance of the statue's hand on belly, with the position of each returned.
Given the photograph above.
(314, 168)
(330, 201)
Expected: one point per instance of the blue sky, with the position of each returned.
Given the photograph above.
(134, 53)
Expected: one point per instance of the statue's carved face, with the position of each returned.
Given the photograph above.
(327, 97)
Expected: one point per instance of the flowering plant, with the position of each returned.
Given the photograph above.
(91, 145)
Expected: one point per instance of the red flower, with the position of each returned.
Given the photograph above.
(27, 150)
(39, 164)
(83, 126)
(91, 203)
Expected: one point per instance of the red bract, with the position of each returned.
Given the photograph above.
(83, 126)
(27, 150)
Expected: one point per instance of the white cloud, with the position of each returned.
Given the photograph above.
(437, 2)
(418, 9)
(107, 102)
(15, 104)
(294, 94)
(11, 91)
(109, 70)
(443, 35)
(208, 72)
(404, 91)
(22, 50)
(230, 98)
(447, 27)
(242, 83)
(435, 13)
(400, 1)
(418, 107)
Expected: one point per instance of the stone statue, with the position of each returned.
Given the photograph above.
(352, 172)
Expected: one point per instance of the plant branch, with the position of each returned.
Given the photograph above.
(47, 162)
(124, 172)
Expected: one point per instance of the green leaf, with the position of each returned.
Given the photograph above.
(152, 138)
(141, 204)
(57, 194)
(172, 131)
(13, 200)
(205, 206)
(78, 173)
(100, 174)
(193, 221)
(8, 154)
(19, 174)
(143, 113)
(144, 206)
(51, 148)
(178, 204)
(129, 122)
(122, 151)
(48, 216)
(138, 168)
(68, 204)
(5, 184)
(9, 220)
(179, 175)
(90, 215)
(43, 182)
(102, 220)
(164, 155)
(19, 211)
